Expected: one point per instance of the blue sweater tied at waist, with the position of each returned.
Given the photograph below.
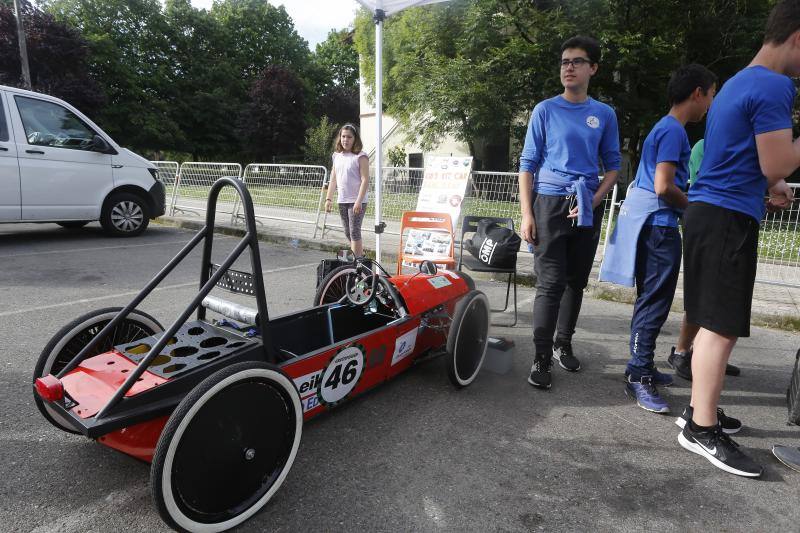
(552, 182)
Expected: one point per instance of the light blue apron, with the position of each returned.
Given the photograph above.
(619, 258)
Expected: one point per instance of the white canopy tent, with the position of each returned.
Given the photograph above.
(380, 10)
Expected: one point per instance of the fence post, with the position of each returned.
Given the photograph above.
(610, 220)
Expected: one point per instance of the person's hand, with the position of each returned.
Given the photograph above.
(357, 208)
(528, 229)
(780, 197)
(573, 213)
(328, 205)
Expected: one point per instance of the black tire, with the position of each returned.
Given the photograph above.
(468, 339)
(72, 338)
(125, 215)
(333, 287)
(73, 224)
(227, 448)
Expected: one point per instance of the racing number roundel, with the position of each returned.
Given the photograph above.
(341, 375)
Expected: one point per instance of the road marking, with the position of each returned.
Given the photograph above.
(122, 246)
(132, 293)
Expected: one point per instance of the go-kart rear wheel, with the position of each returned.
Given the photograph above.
(227, 448)
(468, 339)
(73, 337)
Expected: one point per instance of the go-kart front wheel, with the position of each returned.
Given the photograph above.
(468, 339)
(227, 448)
(73, 337)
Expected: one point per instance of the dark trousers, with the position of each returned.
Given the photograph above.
(658, 261)
(563, 260)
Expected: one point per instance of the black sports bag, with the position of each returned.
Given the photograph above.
(494, 245)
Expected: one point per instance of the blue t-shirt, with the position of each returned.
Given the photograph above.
(667, 142)
(566, 141)
(756, 100)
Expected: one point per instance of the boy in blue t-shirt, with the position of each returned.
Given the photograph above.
(748, 152)
(568, 137)
(649, 223)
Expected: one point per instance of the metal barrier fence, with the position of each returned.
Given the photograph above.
(493, 194)
(292, 193)
(168, 174)
(295, 193)
(779, 245)
(194, 183)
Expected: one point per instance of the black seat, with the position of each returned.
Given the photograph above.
(469, 224)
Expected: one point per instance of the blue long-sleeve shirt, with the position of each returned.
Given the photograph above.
(565, 144)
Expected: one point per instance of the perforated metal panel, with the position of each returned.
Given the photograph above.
(235, 281)
(195, 344)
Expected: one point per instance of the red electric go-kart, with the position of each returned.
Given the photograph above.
(217, 406)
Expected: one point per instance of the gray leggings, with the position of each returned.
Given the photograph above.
(352, 221)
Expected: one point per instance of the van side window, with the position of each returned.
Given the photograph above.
(3, 127)
(49, 124)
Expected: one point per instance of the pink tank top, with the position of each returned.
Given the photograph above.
(348, 176)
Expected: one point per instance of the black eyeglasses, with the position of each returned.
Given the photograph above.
(577, 62)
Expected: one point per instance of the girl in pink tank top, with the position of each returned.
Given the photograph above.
(350, 173)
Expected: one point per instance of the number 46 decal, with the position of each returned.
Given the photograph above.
(341, 375)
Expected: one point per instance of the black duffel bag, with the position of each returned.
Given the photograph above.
(494, 245)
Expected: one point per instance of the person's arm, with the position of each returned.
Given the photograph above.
(778, 156)
(609, 180)
(665, 188)
(363, 168)
(529, 161)
(331, 190)
(610, 155)
(528, 228)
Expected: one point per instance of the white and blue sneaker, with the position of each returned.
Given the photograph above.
(645, 394)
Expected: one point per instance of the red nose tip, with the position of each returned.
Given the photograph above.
(50, 388)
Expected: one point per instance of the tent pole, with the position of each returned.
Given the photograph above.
(380, 15)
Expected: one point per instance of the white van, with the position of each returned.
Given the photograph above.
(56, 165)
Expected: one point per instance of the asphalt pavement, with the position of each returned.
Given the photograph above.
(413, 455)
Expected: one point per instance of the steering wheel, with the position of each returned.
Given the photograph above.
(361, 285)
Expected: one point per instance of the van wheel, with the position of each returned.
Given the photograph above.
(124, 215)
(73, 224)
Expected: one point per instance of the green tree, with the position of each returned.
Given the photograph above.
(272, 122)
(58, 58)
(338, 59)
(204, 87)
(257, 35)
(474, 69)
(129, 52)
(319, 143)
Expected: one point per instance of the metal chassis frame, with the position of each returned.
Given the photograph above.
(108, 415)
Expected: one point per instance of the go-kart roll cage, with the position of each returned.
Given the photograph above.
(207, 283)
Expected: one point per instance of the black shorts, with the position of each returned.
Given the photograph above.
(719, 268)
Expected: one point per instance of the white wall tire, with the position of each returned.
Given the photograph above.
(468, 339)
(220, 484)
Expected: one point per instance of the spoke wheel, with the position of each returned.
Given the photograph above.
(227, 448)
(468, 339)
(72, 338)
(333, 288)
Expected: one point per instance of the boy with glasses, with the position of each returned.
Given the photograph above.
(748, 152)
(568, 137)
